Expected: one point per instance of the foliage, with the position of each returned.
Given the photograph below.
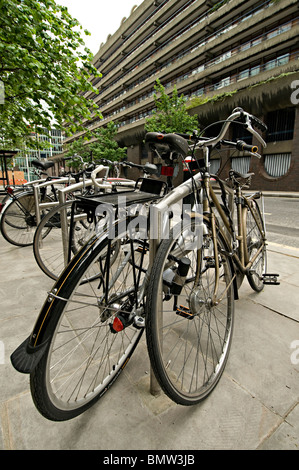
(171, 114)
(101, 144)
(218, 5)
(200, 100)
(44, 69)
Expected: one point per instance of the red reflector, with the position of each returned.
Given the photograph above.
(118, 324)
(9, 190)
(1, 207)
(167, 171)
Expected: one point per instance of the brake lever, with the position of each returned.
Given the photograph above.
(254, 132)
(247, 153)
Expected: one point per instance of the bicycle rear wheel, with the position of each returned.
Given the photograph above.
(188, 337)
(88, 349)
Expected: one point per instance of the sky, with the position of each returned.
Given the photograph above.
(99, 17)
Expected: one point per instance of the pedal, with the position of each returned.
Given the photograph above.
(270, 279)
(142, 249)
(184, 312)
(210, 261)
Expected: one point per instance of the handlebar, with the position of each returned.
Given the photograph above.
(96, 171)
(241, 145)
(237, 113)
(148, 168)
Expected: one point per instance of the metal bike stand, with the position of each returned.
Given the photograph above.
(155, 389)
(64, 217)
(159, 226)
(39, 206)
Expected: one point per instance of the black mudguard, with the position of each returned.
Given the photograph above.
(25, 358)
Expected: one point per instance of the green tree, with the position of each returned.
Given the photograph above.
(99, 144)
(170, 114)
(44, 69)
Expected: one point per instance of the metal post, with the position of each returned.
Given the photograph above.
(64, 226)
(157, 213)
(36, 193)
(155, 389)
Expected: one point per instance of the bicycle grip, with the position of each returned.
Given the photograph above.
(242, 146)
(192, 136)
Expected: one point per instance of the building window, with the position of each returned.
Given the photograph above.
(277, 165)
(280, 125)
(241, 164)
(243, 74)
(281, 60)
(214, 165)
(239, 133)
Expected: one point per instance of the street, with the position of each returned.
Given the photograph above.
(282, 220)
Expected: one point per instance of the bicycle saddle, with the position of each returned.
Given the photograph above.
(173, 142)
(240, 175)
(42, 165)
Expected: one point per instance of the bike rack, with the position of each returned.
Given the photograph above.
(63, 216)
(102, 183)
(160, 224)
(46, 205)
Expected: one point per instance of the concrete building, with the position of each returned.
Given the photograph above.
(233, 52)
(53, 139)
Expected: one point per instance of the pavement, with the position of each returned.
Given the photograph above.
(255, 406)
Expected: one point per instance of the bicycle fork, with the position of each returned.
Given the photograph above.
(215, 297)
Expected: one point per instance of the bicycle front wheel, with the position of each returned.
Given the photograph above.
(188, 335)
(91, 327)
(51, 238)
(255, 248)
(18, 221)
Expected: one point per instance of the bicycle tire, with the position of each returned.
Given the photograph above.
(188, 339)
(84, 312)
(48, 246)
(18, 221)
(255, 239)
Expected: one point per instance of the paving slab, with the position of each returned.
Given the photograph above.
(254, 406)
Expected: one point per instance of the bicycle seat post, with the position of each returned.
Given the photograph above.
(206, 177)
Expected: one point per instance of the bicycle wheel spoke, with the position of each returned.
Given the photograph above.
(189, 334)
(86, 352)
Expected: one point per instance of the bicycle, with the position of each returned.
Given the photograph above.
(18, 208)
(24, 207)
(96, 312)
(51, 246)
(191, 293)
